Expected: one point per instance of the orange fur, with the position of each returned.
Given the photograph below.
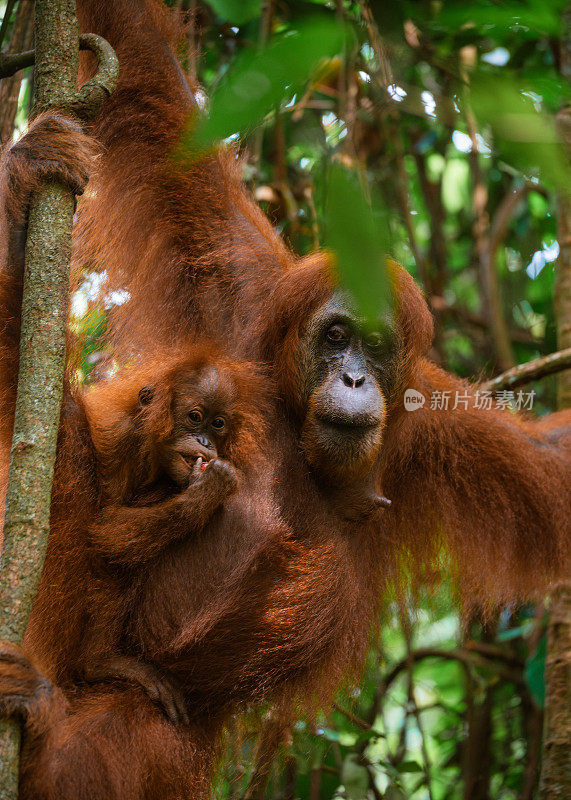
(242, 612)
(282, 606)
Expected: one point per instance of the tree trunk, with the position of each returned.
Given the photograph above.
(42, 360)
(563, 283)
(556, 769)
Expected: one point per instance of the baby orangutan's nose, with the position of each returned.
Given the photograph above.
(204, 441)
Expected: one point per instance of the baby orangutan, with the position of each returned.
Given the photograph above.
(169, 438)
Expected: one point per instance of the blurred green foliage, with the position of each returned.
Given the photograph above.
(404, 730)
(261, 81)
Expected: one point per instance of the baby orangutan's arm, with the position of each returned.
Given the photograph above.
(131, 535)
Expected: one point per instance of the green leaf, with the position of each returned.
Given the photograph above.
(539, 16)
(357, 232)
(236, 11)
(524, 136)
(535, 671)
(409, 766)
(258, 82)
(456, 185)
(538, 205)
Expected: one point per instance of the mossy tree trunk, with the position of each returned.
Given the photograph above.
(42, 360)
(556, 770)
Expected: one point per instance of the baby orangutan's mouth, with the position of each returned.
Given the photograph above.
(199, 465)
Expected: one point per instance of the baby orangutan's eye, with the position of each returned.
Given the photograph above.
(218, 423)
(195, 416)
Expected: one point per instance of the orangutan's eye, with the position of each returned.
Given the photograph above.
(218, 423)
(337, 336)
(195, 416)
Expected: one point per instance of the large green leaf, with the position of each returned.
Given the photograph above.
(357, 232)
(535, 671)
(259, 81)
(523, 135)
(538, 15)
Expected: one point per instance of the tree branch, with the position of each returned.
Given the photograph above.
(555, 778)
(92, 93)
(10, 63)
(532, 371)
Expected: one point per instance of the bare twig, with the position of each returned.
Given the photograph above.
(439, 305)
(10, 63)
(488, 238)
(407, 629)
(360, 723)
(431, 193)
(505, 212)
(532, 371)
(492, 651)
(403, 184)
(265, 29)
(464, 657)
(385, 74)
(534, 725)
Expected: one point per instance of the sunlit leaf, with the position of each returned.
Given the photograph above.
(357, 232)
(538, 205)
(456, 185)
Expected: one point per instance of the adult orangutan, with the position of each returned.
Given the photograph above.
(273, 610)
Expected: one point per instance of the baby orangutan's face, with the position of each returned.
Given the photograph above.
(202, 413)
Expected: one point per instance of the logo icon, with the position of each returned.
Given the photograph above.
(413, 400)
